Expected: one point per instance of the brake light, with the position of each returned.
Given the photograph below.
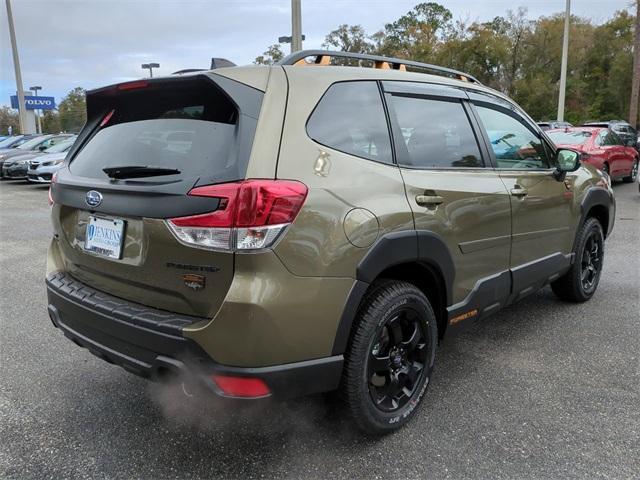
(133, 85)
(245, 387)
(252, 215)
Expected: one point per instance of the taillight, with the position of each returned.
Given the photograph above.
(252, 215)
(54, 178)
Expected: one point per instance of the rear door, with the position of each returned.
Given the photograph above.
(452, 191)
(112, 227)
(609, 143)
(623, 160)
(541, 206)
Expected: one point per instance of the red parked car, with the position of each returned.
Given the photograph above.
(600, 147)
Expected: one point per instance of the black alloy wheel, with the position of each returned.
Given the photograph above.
(390, 356)
(581, 281)
(591, 261)
(397, 360)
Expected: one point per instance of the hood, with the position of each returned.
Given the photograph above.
(14, 152)
(578, 148)
(48, 158)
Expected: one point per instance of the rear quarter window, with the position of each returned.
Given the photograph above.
(350, 118)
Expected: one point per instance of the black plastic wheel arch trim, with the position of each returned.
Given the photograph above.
(392, 249)
(408, 246)
(597, 196)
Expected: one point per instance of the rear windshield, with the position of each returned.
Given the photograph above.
(189, 126)
(569, 138)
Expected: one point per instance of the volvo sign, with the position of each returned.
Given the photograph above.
(35, 103)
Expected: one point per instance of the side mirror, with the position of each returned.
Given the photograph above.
(567, 161)
(42, 148)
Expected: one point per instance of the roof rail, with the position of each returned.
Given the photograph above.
(323, 57)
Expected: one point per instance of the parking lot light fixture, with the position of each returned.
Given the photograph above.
(150, 67)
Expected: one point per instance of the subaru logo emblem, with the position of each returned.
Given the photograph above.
(93, 198)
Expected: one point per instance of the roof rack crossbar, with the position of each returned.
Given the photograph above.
(296, 58)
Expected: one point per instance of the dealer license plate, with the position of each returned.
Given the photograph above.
(104, 236)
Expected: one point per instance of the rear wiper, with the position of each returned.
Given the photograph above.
(139, 171)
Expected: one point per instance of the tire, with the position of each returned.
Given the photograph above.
(634, 173)
(581, 281)
(390, 357)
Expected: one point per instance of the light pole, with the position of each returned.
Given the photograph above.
(150, 67)
(35, 89)
(563, 67)
(22, 112)
(296, 26)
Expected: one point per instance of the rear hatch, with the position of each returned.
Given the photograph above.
(145, 146)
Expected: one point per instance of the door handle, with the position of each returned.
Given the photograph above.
(519, 192)
(429, 200)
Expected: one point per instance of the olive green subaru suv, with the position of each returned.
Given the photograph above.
(308, 227)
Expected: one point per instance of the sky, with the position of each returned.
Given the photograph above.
(90, 43)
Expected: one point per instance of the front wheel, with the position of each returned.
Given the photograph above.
(581, 281)
(390, 357)
(634, 173)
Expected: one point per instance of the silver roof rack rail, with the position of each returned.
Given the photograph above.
(323, 57)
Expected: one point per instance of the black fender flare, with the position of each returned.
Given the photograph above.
(597, 196)
(396, 248)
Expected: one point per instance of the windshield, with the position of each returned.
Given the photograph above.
(569, 138)
(8, 141)
(34, 142)
(61, 147)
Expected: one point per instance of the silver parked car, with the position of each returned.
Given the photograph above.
(36, 144)
(42, 167)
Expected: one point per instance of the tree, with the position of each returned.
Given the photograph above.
(9, 118)
(72, 110)
(518, 56)
(51, 122)
(415, 35)
(272, 55)
(348, 38)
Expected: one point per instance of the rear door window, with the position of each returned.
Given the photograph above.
(436, 133)
(188, 126)
(350, 118)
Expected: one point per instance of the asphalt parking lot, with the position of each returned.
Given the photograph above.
(541, 390)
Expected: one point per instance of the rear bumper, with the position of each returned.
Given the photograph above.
(149, 342)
